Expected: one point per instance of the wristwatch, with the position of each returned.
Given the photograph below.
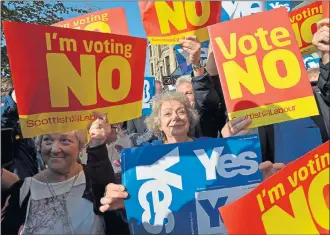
(197, 66)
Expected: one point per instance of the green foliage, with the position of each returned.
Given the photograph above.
(37, 12)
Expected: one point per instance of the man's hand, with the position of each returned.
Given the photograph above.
(321, 39)
(191, 45)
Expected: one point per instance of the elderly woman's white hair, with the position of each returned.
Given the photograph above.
(81, 136)
(154, 120)
(182, 79)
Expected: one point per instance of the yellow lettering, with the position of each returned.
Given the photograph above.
(306, 27)
(291, 64)
(98, 47)
(325, 160)
(233, 48)
(251, 79)
(105, 85)
(60, 80)
(261, 34)
(280, 33)
(100, 26)
(316, 199)
(253, 43)
(166, 15)
(276, 191)
(296, 31)
(48, 42)
(300, 223)
(191, 13)
(66, 43)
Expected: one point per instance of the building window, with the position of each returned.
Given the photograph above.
(161, 70)
(150, 51)
(152, 69)
(167, 65)
(159, 50)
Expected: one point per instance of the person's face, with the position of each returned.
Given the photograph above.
(174, 119)
(186, 89)
(60, 151)
(159, 88)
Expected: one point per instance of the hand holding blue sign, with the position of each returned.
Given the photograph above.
(113, 197)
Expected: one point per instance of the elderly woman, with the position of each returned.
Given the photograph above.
(174, 120)
(65, 197)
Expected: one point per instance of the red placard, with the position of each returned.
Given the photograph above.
(303, 22)
(261, 70)
(165, 22)
(106, 21)
(293, 201)
(62, 75)
(326, 10)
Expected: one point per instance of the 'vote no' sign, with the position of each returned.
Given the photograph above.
(262, 73)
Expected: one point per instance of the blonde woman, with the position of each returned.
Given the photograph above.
(64, 198)
(174, 119)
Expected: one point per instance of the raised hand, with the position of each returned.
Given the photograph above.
(99, 130)
(237, 127)
(321, 39)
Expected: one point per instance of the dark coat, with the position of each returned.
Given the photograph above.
(209, 103)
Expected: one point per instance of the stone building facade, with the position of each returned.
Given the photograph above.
(162, 60)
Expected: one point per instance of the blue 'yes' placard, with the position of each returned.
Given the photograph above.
(149, 90)
(178, 188)
(276, 4)
(237, 9)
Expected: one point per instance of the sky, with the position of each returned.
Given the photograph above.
(134, 21)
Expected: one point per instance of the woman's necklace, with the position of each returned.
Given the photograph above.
(66, 219)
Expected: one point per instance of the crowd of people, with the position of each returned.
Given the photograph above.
(63, 184)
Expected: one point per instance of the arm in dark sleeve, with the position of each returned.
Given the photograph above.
(209, 104)
(12, 214)
(206, 97)
(324, 81)
(100, 172)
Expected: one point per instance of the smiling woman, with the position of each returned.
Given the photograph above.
(173, 118)
(62, 199)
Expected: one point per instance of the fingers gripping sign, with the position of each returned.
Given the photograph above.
(268, 168)
(113, 197)
(236, 127)
(192, 45)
